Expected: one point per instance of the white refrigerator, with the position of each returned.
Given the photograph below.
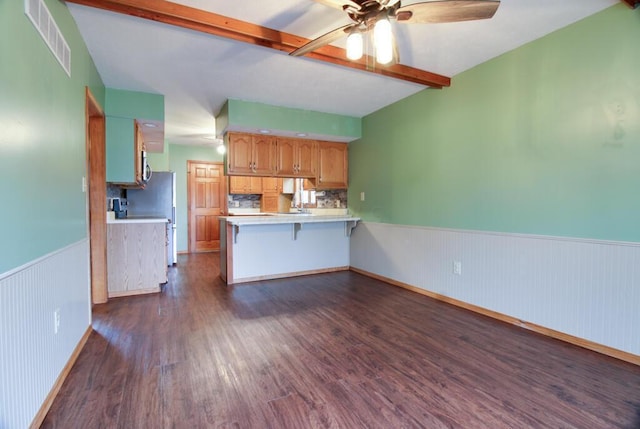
(157, 199)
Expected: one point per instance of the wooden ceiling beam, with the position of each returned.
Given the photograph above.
(223, 26)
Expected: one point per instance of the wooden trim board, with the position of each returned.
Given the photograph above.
(581, 342)
(120, 294)
(222, 26)
(46, 405)
(286, 275)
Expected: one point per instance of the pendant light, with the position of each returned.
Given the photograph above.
(383, 41)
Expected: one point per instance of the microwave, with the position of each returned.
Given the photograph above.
(146, 168)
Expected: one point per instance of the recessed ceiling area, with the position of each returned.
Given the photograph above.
(198, 72)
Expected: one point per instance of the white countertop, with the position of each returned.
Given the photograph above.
(257, 219)
(137, 219)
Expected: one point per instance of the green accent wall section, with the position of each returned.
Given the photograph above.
(542, 140)
(122, 108)
(159, 161)
(237, 114)
(222, 120)
(120, 154)
(42, 136)
(178, 157)
(136, 105)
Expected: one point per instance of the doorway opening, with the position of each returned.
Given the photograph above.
(206, 201)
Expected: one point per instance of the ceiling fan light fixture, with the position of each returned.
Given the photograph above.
(355, 45)
(383, 41)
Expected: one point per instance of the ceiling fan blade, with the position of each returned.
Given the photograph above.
(339, 4)
(325, 39)
(447, 11)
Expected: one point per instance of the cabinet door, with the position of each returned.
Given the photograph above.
(269, 203)
(332, 165)
(271, 185)
(239, 184)
(245, 185)
(286, 156)
(255, 185)
(264, 155)
(239, 153)
(307, 158)
(138, 145)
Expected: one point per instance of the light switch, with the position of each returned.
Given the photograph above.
(361, 196)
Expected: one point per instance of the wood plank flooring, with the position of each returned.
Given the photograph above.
(335, 350)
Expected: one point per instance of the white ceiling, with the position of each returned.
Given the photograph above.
(198, 72)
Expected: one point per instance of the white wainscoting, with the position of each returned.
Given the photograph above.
(32, 356)
(589, 289)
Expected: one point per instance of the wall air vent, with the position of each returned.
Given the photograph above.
(39, 15)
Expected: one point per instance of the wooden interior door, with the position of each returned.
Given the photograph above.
(206, 189)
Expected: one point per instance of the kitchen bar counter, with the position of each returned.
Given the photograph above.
(259, 247)
(260, 219)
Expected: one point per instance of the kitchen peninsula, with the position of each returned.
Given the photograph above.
(273, 246)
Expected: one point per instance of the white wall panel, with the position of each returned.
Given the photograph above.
(270, 250)
(32, 356)
(586, 288)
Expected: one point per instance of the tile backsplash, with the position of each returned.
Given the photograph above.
(244, 201)
(324, 199)
(114, 191)
(331, 197)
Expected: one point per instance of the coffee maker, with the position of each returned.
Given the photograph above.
(119, 208)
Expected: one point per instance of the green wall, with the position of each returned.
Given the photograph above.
(42, 136)
(245, 115)
(134, 105)
(544, 140)
(178, 157)
(159, 161)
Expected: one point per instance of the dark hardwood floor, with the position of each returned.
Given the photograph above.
(332, 351)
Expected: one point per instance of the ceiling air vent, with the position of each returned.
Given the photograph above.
(41, 18)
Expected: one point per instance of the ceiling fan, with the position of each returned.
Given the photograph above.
(376, 15)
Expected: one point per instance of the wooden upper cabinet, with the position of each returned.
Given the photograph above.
(249, 154)
(307, 158)
(296, 158)
(332, 166)
(239, 154)
(286, 156)
(245, 185)
(264, 155)
(271, 185)
(260, 155)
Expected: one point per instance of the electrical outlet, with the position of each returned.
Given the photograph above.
(457, 268)
(56, 320)
(361, 196)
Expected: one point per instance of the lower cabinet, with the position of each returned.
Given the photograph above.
(136, 257)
